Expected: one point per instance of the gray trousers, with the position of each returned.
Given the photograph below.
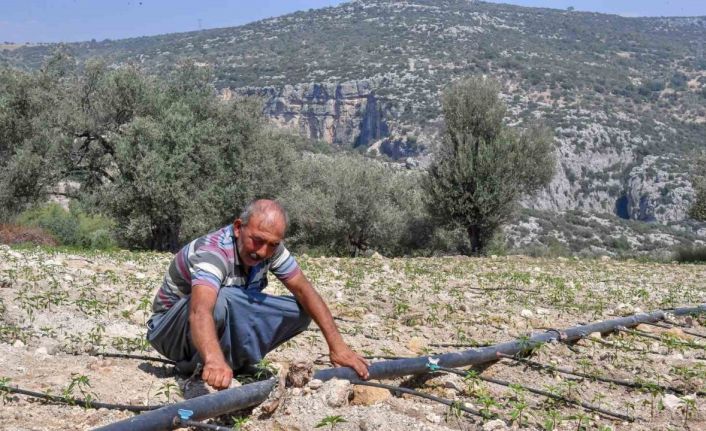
(249, 324)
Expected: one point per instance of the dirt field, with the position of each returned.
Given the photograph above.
(59, 310)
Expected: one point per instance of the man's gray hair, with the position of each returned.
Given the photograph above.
(269, 208)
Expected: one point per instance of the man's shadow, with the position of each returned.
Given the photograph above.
(162, 371)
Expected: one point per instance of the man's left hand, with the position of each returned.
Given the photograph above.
(345, 357)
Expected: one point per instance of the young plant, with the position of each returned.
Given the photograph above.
(4, 389)
(331, 421)
(239, 422)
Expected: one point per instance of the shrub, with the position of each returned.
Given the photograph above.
(73, 227)
(690, 254)
(16, 234)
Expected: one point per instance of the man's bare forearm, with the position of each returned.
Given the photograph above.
(203, 334)
(216, 371)
(315, 306)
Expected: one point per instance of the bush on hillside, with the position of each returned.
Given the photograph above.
(15, 234)
(690, 254)
(73, 227)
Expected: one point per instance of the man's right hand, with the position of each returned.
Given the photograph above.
(217, 374)
(216, 371)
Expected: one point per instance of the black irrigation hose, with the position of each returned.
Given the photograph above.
(78, 401)
(459, 344)
(547, 394)
(619, 382)
(393, 388)
(252, 394)
(138, 357)
(203, 407)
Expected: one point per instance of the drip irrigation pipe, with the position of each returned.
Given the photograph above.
(544, 393)
(619, 382)
(459, 345)
(130, 356)
(203, 407)
(78, 401)
(245, 396)
(402, 367)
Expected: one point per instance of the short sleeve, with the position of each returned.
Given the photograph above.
(208, 267)
(284, 266)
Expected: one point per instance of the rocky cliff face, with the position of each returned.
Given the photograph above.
(349, 113)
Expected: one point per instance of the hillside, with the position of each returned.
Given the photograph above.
(63, 314)
(625, 96)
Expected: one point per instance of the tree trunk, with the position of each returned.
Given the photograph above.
(474, 238)
(165, 238)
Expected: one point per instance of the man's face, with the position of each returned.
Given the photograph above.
(259, 239)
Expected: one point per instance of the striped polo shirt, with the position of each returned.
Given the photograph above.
(212, 260)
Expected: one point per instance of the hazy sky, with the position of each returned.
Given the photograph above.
(78, 20)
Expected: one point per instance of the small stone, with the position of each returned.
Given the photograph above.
(18, 344)
(672, 402)
(494, 425)
(433, 418)
(595, 335)
(296, 391)
(526, 313)
(51, 345)
(336, 392)
(41, 351)
(368, 395)
(416, 344)
(315, 384)
(676, 332)
(376, 255)
(300, 373)
(645, 328)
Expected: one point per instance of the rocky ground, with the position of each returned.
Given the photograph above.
(59, 311)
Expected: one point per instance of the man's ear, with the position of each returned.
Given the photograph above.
(237, 225)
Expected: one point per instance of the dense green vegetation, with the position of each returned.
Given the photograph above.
(151, 163)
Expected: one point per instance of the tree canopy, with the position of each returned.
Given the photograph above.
(482, 167)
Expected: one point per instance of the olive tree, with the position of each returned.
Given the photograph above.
(163, 156)
(481, 167)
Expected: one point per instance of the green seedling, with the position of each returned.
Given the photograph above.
(4, 389)
(330, 421)
(239, 422)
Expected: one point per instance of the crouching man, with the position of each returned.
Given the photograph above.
(211, 310)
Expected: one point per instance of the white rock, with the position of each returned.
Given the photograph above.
(494, 425)
(526, 313)
(433, 418)
(672, 402)
(315, 384)
(336, 392)
(41, 351)
(18, 344)
(140, 276)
